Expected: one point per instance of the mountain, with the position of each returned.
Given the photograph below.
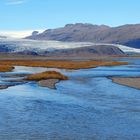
(57, 48)
(128, 35)
(97, 50)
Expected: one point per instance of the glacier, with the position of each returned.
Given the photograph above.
(18, 45)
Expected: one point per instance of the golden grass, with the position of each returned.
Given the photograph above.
(61, 64)
(46, 75)
(5, 68)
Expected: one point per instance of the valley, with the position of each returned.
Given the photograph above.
(69, 70)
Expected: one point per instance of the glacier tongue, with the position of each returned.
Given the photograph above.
(18, 45)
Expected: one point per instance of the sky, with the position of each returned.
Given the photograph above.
(28, 15)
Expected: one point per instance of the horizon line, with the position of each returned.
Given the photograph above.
(59, 26)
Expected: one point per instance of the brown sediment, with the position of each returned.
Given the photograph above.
(62, 64)
(133, 82)
(6, 68)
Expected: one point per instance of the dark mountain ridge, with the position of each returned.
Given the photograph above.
(128, 34)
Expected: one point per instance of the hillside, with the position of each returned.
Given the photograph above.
(87, 51)
(126, 35)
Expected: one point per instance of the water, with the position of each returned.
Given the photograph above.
(86, 107)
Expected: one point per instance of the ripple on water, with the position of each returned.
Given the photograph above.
(88, 106)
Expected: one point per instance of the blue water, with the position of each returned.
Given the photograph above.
(88, 106)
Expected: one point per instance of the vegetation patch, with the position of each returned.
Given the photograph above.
(46, 75)
(113, 63)
(61, 64)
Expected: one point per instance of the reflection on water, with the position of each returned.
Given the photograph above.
(86, 107)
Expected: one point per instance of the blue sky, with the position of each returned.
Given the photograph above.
(42, 14)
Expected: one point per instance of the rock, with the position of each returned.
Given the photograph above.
(88, 51)
(34, 33)
(50, 83)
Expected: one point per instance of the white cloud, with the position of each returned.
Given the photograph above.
(15, 2)
(18, 34)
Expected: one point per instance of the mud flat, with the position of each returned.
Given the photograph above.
(50, 83)
(133, 82)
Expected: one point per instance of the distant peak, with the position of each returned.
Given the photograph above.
(35, 33)
(85, 25)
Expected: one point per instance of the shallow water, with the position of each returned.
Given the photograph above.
(86, 107)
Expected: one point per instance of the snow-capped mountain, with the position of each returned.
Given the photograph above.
(128, 34)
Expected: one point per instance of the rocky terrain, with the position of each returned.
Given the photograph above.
(87, 51)
(128, 34)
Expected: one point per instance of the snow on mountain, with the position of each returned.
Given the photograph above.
(18, 34)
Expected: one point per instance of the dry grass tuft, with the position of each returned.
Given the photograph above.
(61, 64)
(46, 75)
(113, 63)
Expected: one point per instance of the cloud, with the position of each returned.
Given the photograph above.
(15, 2)
(19, 34)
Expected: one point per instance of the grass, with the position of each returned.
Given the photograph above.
(6, 68)
(46, 75)
(61, 64)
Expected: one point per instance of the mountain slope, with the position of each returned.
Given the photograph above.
(125, 35)
(87, 51)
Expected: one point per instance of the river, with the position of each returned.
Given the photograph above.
(88, 106)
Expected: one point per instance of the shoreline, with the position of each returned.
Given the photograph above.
(10, 56)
